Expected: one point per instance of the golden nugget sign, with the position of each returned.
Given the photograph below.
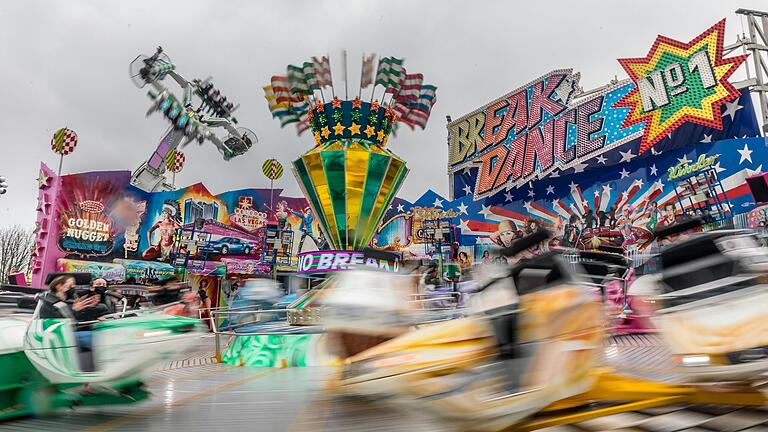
(545, 126)
(86, 231)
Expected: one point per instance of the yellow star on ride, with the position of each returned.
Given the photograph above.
(325, 132)
(380, 135)
(354, 129)
(338, 129)
(369, 130)
(317, 137)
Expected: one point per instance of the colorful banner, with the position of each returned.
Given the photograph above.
(108, 271)
(145, 270)
(246, 266)
(621, 205)
(678, 95)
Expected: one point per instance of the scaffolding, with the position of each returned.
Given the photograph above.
(755, 42)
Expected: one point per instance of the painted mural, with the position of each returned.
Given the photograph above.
(100, 217)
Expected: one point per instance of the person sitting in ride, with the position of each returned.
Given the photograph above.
(102, 307)
(59, 302)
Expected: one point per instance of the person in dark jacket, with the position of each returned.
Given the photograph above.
(59, 302)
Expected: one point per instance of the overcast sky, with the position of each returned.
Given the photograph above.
(65, 63)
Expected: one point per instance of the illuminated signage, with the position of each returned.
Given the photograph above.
(325, 261)
(680, 82)
(246, 216)
(685, 167)
(549, 125)
(86, 231)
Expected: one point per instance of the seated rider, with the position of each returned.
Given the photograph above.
(59, 302)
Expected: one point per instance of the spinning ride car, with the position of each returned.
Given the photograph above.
(44, 362)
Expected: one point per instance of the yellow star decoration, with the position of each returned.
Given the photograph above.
(338, 129)
(317, 137)
(380, 135)
(369, 130)
(354, 129)
(707, 112)
(325, 132)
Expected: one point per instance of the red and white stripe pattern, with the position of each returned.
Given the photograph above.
(64, 141)
(282, 91)
(322, 68)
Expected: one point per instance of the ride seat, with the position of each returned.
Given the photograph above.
(690, 250)
(699, 271)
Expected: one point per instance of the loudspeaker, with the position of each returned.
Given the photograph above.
(758, 185)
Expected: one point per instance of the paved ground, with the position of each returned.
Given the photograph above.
(197, 394)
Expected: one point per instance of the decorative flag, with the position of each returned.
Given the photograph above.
(64, 141)
(416, 113)
(367, 71)
(297, 80)
(322, 71)
(410, 88)
(284, 111)
(282, 90)
(390, 72)
(174, 161)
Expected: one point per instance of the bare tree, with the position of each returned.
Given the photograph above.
(16, 244)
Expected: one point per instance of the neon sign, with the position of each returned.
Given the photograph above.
(680, 82)
(86, 231)
(685, 167)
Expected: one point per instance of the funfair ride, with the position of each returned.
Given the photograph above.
(187, 122)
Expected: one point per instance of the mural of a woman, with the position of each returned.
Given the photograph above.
(170, 219)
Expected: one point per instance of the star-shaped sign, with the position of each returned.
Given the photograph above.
(756, 171)
(400, 208)
(336, 102)
(531, 193)
(462, 208)
(717, 167)
(601, 159)
(354, 129)
(550, 190)
(466, 170)
(485, 211)
(706, 139)
(684, 160)
(579, 167)
(375, 105)
(702, 57)
(624, 173)
(467, 189)
(554, 174)
(464, 225)
(438, 203)
(745, 154)
(627, 156)
(338, 129)
(380, 135)
(317, 137)
(508, 196)
(325, 132)
(731, 108)
(607, 188)
(654, 170)
(43, 181)
(357, 103)
(573, 186)
(527, 206)
(369, 131)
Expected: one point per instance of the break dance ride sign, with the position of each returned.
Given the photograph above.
(326, 261)
(547, 126)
